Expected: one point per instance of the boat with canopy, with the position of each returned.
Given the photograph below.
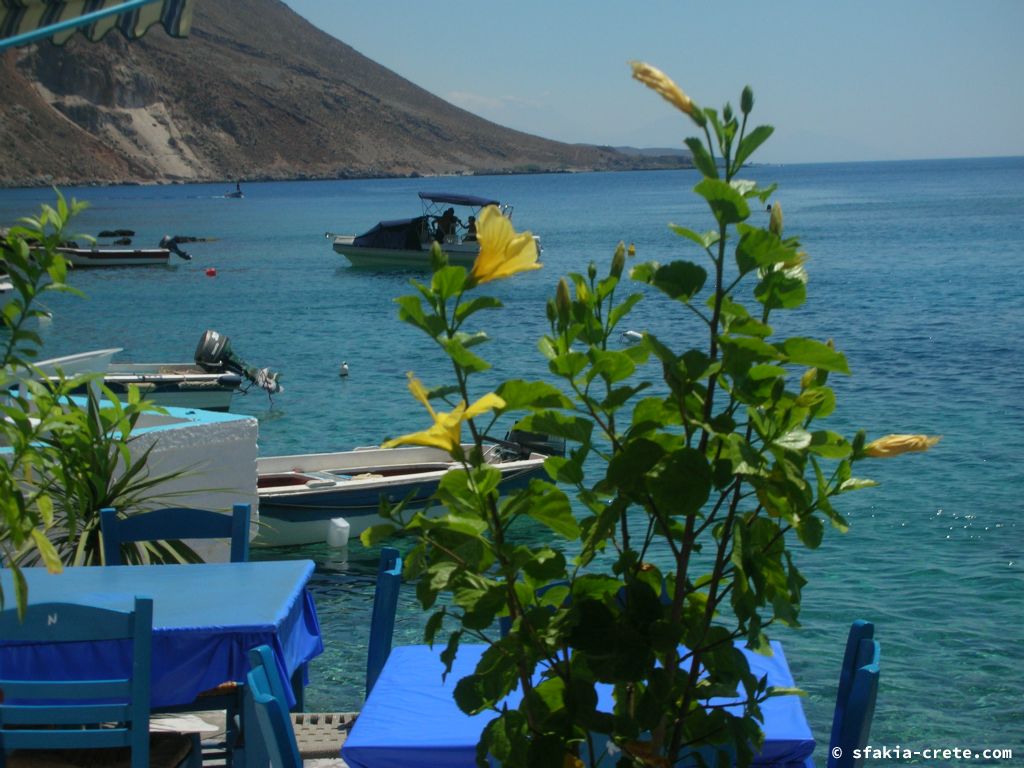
(406, 243)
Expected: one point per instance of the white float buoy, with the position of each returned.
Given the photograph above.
(343, 371)
(337, 532)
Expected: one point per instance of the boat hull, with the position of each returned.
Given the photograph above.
(115, 257)
(174, 385)
(300, 495)
(460, 254)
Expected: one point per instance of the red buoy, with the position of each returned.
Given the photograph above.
(211, 272)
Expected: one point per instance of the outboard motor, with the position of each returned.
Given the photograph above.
(214, 355)
(537, 442)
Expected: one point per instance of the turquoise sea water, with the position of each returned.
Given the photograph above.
(915, 272)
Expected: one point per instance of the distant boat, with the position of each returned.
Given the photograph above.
(300, 495)
(406, 243)
(123, 256)
(237, 193)
(105, 256)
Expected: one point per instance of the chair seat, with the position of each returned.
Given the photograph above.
(166, 750)
(321, 734)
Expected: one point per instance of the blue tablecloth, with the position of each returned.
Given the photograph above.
(206, 617)
(410, 719)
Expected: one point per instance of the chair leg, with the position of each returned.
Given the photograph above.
(195, 757)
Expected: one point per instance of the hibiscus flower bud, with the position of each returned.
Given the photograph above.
(562, 300)
(894, 445)
(775, 223)
(658, 81)
(618, 261)
(747, 100)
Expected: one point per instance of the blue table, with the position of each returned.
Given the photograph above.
(206, 617)
(410, 719)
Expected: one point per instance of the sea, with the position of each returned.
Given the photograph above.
(915, 273)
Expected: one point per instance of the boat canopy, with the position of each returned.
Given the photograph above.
(396, 233)
(456, 199)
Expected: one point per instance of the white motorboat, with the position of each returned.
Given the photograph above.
(180, 385)
(121, 254)
(406, 243)
(207, 384)
(300, 495)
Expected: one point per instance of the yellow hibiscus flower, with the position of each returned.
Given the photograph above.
(503, 251)
(894, 445)
(446, 431)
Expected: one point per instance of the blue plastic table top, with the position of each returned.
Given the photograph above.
(410, 719)
(206, 617)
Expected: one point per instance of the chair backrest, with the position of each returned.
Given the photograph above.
(175, 524)
(859, 630)
(31, 707)
(855, 703)
(265, 690)
(385, 605)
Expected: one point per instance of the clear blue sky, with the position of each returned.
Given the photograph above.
(866, 80)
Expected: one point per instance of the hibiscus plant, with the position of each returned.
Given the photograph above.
(710, 458)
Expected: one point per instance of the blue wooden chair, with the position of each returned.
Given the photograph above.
(175, 524)
(186, 523)
(385, 606)
(855, 698)
(265, 692)
(53, 722)
(288, 738)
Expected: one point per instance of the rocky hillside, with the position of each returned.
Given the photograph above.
(255, 92)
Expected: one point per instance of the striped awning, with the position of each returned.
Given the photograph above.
(26, 21)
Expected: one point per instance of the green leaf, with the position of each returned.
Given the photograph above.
(681, 483)
(728, 205)
(558, 424)
(471, 339)
(568, 365)
(494, 677)
(750, 143)
(777, 290)
(551, 508)
(679, 280)
(519, 394)
(410, 310)
(448, 281)
(611, 365)
(376, 534)
(810, 531)
(705, 240)
(855, 484)
(434, 624)
(795, 440)
(702, 158)
(467, 308)
(759, 248)
(47, 551)
(630, 466)
(621, 310)
(813, 354)
(462, 357)
(830, 445)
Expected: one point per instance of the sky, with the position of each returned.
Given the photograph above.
(839, 80)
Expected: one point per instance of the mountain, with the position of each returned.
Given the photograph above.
(255, 92)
